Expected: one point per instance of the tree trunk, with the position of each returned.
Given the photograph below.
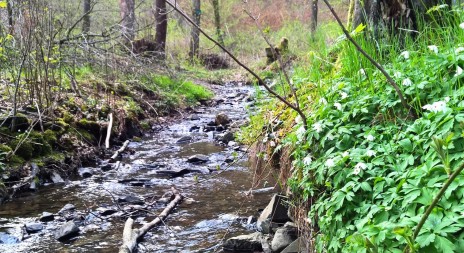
(86, 19)
(217, 21)
(161, 28)
(195, 40)
(314, 10)
(127, 11)
(9, 9)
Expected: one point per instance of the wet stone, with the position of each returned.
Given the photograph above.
(197, 159)
(46, 217)
(222, 119)
(56, 178)
(184, 139)
(194, 128)
(131, 199)
(194, 117)
(244, 243)
(67, 208)
(6, 238)
(85, 172)
(33, 227)
(209, 128)
(66, 231)
(106, 211)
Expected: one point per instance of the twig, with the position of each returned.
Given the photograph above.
(108, 133)
(390, 80)
(120, 150)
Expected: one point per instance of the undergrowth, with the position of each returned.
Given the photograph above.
(368, 169)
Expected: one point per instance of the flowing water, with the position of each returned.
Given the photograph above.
(218, 211)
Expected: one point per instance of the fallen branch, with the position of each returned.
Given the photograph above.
(130, 236)
(108, 133)
(120, 150)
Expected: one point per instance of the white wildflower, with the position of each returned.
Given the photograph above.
(300, 133)
(343, 95)
(307, 160)
(458, 71)
(439, 106)
(317, 127)
(407, 82)
(358, 167)
(397, 74)
(265, 139)
(345, 154)
(459, 50)
(338, 106)
(330, 137)
(370, 153)
(362, 72)
(272, 143)
(447, 99)
(323, 101)
(405, 54)
(433, 48)
(461, 25)
(330, 163)
(370, 137)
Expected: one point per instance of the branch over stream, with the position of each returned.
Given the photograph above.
(130, 236)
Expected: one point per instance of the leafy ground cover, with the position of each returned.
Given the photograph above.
(370, 170)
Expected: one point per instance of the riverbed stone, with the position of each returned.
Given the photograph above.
(66, 231)
(275, 212)
(33, 227)
(198, 158)
(297, 246)
(184, 139)
(227, 137)
(56, 178)
(131, 199)
(46, 217)
(103, 211)
(284, 236)
(221, 119)
(244, 243)
(85, 172)
(6, 238)
(67, 208)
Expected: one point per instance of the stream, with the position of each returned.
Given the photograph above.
(216, 206)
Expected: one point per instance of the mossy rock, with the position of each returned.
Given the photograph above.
(40, 145)
(89, 125)
(25, 150)
(68, 117)
(22, 123)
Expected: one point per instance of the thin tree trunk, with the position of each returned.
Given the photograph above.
(161, 28)
(9, 9)
(127, 11)
(314, 10)
(195, 40)
(217, 21)
(86, 18)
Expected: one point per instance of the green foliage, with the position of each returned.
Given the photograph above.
(370, 171)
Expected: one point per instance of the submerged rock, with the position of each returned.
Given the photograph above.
(56, 178)
(198, 159)
(66, 231)
(85, 172)
(244, 243)
(6, 238)
(67, 208)
(184, 139)
(284, 236)
(131, 199)
(33, 227)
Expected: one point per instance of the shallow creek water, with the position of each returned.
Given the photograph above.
(219, 210)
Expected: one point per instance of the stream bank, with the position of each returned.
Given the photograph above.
(215, 185)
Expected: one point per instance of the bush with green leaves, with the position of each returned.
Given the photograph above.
(370, 170)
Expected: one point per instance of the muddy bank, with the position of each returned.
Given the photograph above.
(195, 154)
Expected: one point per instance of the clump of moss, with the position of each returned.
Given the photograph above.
(89, 125)
(145, 125)
(25, 150)
(50, 137)
(39, 144)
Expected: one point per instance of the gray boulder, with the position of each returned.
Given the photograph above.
(284, 236)
(227, 137)
(275, 212)
(85, 172)
(244, 243)
(297, 246)
(184, 139)
(131, 199)
(66, 231)
(33, 227)
(56, 178)
(46, 216)
(67, 208)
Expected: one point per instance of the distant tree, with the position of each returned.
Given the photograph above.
(314, 10)
(86, 19)
(127, 11)
(161, 27)
(195, 36)
(217, 21)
